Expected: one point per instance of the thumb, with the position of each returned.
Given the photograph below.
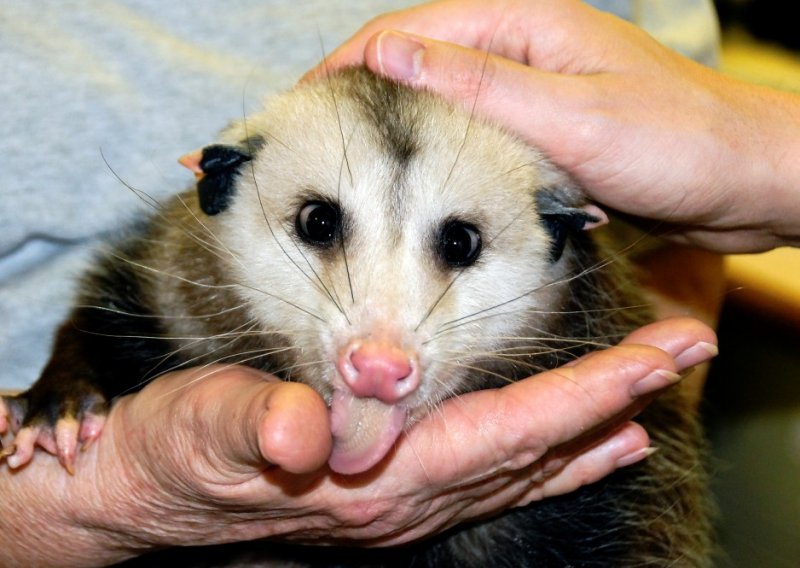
(286, 425)
(525, 100)
(234, 419)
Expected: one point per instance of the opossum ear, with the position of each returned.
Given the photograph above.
(594, 216)
(216, 168)
(561, 221)
(191, 162)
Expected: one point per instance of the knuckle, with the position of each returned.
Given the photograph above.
(363, 513)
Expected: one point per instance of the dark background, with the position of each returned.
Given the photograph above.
(768, 20)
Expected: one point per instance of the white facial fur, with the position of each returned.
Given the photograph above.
(385, 280)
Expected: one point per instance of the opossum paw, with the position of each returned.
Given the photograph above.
(60, 429)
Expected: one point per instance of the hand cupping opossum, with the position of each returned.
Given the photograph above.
(391, 251)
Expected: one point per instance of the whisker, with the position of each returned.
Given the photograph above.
(479, 370)
(233, 336)
(471, 117)
(475, 317)
(581, 273)
(225, 366)
(287, 370)
(339, 199)
(203, 316)
(319, 285)
(159, 210)
(460, 272)
(236, 359)
(208, 246)
(156, 271)
(336, 110)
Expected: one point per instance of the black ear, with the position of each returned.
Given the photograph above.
(562, 221)
(562, 226)
(220, 165)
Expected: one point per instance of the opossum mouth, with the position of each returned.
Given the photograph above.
(364, 431)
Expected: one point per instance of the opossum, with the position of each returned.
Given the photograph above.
(391, 250)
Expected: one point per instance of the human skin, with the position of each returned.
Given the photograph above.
(644, 130)
(189, 461)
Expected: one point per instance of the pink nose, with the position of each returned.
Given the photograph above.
(380, 370)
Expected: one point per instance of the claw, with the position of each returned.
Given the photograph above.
(7, 451)
(91, 427)
(57, 422)
(62, 441)
(66, 441)
(24, 442)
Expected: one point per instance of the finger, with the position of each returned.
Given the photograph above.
(626, 446)
(689, 341)
(564, 471)
(558, 473)
(527, 101)
(294, 432)
(546, 34)
(238, 419)
(510, 428)
(468, 23)
(279, 423)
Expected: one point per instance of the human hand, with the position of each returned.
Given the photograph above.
(643, 129)
(201, 459)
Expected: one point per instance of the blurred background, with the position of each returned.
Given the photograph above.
(752, 402)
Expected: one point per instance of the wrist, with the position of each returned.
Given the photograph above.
(105, 513)
(48, 518)
(784, 156)
(768, 191)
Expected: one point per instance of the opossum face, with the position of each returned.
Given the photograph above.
(406, 252)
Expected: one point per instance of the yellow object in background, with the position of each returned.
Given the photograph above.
(768, 282)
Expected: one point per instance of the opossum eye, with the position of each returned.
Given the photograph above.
(318, 223)
(459, 243)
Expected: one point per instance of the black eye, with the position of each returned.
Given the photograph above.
(318, 223)
(459, 244)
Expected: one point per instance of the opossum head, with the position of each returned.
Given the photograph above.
(405, 251)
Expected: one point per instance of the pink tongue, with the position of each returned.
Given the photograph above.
(364, 430)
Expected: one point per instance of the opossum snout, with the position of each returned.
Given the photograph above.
(379, 369)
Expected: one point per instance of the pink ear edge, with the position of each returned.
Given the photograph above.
(596, 212)
(191, 161)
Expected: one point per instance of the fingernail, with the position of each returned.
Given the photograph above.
(655, 381)
(635, 457)
(696, 354)
(399, 56)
